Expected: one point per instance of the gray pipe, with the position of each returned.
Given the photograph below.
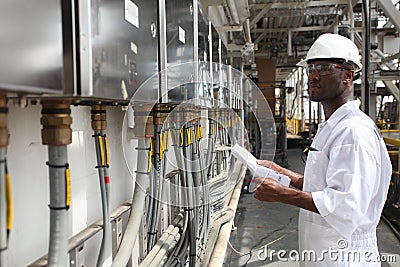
(3, 209)
(105, 255)
(58, 244)
(138, 201)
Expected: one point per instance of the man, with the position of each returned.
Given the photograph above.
(347, 173)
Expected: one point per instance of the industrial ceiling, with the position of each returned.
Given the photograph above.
(285, 29)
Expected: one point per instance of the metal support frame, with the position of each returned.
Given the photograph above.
(391, 12)
(76, 256)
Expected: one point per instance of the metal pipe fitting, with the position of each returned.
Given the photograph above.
(56, 121)
(99, 118)
(161, 112)
(144, 127)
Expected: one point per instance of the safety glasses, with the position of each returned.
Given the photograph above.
(324, 69)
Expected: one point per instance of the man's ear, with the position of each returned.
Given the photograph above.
(348, 77)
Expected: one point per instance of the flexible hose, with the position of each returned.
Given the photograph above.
(181, 247)
(215, 247)
(167, 246)
(105, 254)
(138, 202)
(106, 173)
(59, 204)
(170, 248)
(155, 250)
(187, 152)
(3, 209)
(157, 191)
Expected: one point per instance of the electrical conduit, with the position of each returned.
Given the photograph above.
(57, 134)
(99, 125)
(5, 191)
(138, 202)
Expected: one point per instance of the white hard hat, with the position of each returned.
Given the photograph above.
(333, 46)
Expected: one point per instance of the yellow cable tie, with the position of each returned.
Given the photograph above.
(9, 202)
(199, 132)
(101, 149)
(107, 150)
(166, 140)
(182, 136)
(67, 187)
(150, 155)
(161, 137)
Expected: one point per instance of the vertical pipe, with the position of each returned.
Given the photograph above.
(4, 206)
(210, 46)
(241, 107)
(57, 134)
(289, 47)
(162, 51)
(156, 190)
(196, 51)
(3, 209)
(99, 125)
(104, 258)
(366, 51)
(351, 18)
(302, 98)
(138, 202)
(58, 246)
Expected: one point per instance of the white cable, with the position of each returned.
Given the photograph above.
(256, 249)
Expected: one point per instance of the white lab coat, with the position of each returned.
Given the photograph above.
(348, 177)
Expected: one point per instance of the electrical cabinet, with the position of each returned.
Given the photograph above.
(31, 46)
(103, 49)
(114, 44)
(186, 41)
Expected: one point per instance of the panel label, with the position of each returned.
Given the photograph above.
(181, 35)
(132, 13)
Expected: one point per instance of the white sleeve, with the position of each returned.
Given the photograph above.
(352, 177)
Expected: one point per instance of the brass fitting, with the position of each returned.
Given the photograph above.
(144, 127)
(4, 134)
(161, 112)
(99, 118)
(56, 121)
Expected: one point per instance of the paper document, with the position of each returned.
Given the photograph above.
(259, 171)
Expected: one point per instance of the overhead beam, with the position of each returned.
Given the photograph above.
(259, 16)
(207, 3)
(311, 28)
(229, 28)
(299, 29)
(301, 4)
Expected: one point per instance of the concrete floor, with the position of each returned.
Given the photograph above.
(274, 224)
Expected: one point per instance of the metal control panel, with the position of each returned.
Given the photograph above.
(115, 44)
(31, 46)
(103, 49)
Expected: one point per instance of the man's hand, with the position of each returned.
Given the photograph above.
(272, 191)
(269, 190)
(270, 164)
(296, 179)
